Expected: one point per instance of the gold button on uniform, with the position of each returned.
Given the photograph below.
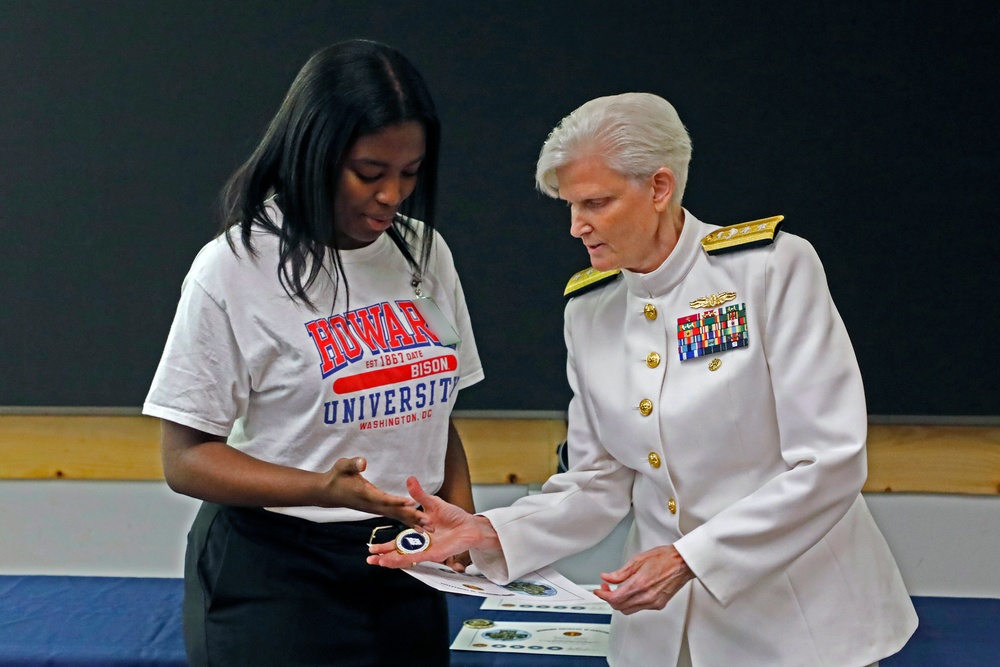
(654, 459)
(645, 407)
(649, 310)
(672, 506)
(653, 359)
(714, 364)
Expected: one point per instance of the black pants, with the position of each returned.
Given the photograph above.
(266, 589)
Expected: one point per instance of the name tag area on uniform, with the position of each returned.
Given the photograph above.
(715, 330)
(437, 320)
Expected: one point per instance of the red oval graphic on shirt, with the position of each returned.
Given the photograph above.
(396, 374)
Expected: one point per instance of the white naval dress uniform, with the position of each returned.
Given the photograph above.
(753, 470)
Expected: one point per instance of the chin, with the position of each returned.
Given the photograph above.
(603, 264)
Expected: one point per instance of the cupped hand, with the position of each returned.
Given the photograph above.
(345, 486)
(453, 532)
(459, 562)
(647, 581)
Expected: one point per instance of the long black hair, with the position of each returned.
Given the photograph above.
(343, 92)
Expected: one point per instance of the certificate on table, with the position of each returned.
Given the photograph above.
(509, 604)
(578, 639)
(544, 584)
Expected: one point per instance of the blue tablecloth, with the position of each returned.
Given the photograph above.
(106, 621)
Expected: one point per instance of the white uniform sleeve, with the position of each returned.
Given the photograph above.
(575, 510)
(822, 423)
(202, 380)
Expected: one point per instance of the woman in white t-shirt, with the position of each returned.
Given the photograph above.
(312, 365)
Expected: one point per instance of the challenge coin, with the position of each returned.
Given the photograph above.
(411, 541)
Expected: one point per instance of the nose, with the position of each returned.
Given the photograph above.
(578, 225)
(391, 192)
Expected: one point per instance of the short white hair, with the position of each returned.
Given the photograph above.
(635, 133)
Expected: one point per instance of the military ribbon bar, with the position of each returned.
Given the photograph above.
(712, 331)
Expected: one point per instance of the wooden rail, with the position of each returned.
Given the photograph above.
(901, 458)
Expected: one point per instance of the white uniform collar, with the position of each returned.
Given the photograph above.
(668, 275)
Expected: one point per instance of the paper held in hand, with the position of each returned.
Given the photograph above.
(544, 584)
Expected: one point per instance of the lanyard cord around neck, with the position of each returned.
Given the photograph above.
(417, 274)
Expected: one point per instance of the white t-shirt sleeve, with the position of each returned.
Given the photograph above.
(468, 353)
(202, 380)
(470, 365)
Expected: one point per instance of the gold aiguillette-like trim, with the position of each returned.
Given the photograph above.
(587, 279)
(742, 236)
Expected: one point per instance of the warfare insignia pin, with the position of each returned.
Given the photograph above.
(713, 300)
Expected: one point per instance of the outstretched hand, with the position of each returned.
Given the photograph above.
(453, 532)
(647, 581)
(345, 486)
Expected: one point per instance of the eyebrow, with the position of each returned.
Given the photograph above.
(380, 163)
(589, 196)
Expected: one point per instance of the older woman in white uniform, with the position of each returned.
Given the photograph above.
(716, 392)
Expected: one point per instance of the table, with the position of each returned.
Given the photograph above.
(108, 621)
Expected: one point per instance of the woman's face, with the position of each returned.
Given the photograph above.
(379, 172)
(619, 219)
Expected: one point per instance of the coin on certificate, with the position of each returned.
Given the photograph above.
(411, 541)
(478, 623)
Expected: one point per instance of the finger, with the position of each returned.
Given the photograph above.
(616, 599)
(625, 571)
(455, 563)
(395, 507)
(417, 492)
(377, 496)
(394, 560)
(351, 466)
(635, 603)
(606, 593)
(410, 515)
(618, 576)
(382, 548)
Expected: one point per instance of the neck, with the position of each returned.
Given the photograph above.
(667, 234)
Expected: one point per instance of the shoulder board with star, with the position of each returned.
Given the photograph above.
(586, 280)
(743, 236)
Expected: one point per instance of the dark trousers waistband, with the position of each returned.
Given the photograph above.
(262, 521)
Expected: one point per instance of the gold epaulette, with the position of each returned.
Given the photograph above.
(587, 280)
(742, 236)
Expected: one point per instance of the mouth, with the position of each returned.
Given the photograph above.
(380, 222)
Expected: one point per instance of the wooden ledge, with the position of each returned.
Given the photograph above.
(934, 459)
(901, 458)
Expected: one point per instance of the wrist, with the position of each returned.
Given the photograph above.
(488, 539)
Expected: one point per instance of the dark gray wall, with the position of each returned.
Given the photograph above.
(871, 128)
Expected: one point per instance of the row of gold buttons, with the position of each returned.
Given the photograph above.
(646, 405)
(652, 360)
(654, 462)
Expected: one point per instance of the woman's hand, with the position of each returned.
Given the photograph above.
(202, 466)
(647, 581)
(459, 562)
(346, 487)
(453, 531)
